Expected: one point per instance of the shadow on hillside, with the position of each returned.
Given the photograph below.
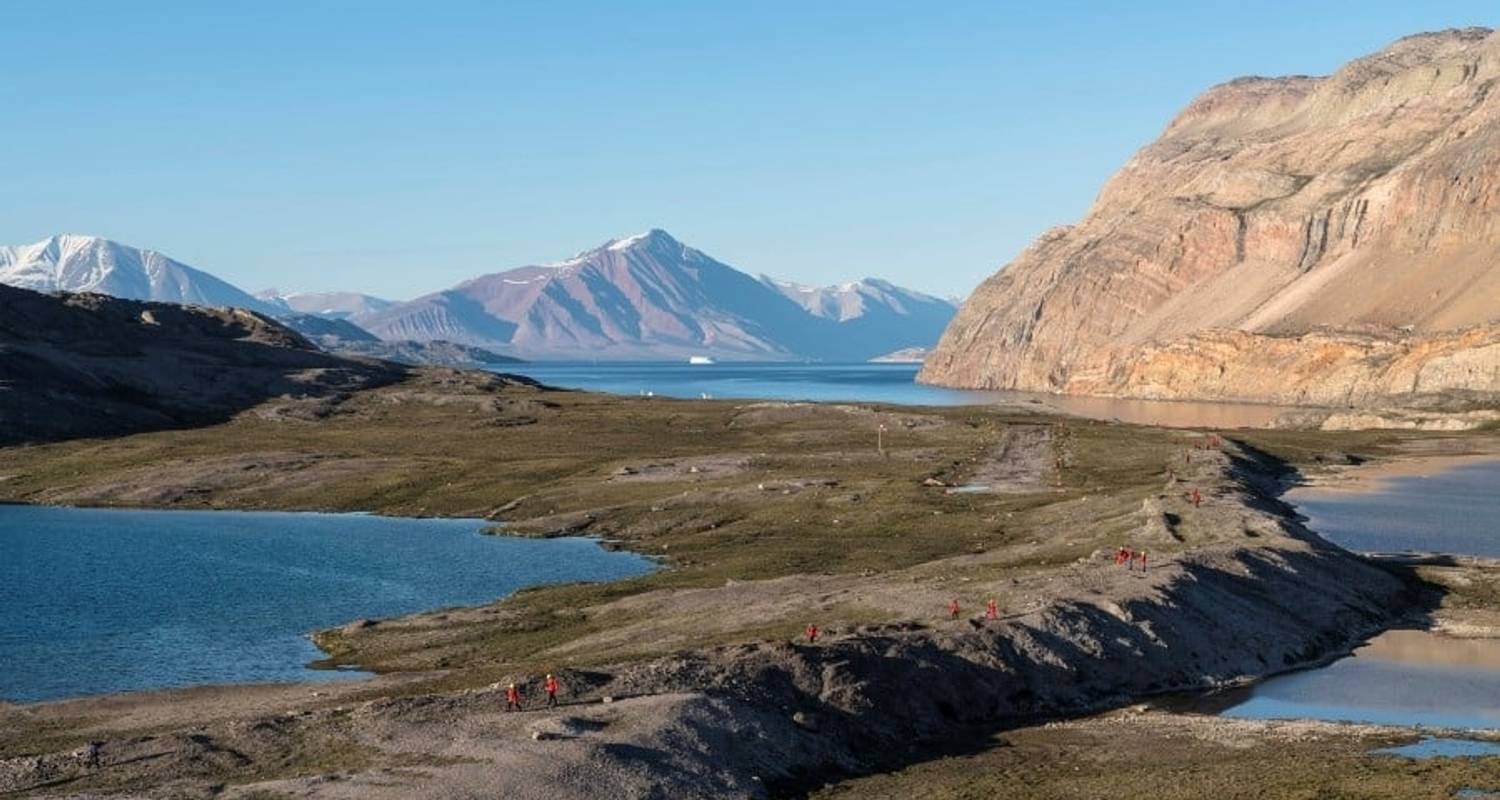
(75, 366)
(941, 693)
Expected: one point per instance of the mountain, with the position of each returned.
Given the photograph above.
(328, 332)
(649, 297)
(644, 297)
(1308, 240)
(436, 353)
(72, 263)
(877, 314)
(91, 365)
(906, 355)
(334, 305)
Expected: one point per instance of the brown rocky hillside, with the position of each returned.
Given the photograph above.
(1298, 240)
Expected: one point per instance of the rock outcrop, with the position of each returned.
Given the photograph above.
(89, 365)
(1296, 240)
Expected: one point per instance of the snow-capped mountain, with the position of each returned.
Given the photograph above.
(334, 305)
(644, 297)
(878, 314)
(856, 299)
(651, 296)
(74, 263)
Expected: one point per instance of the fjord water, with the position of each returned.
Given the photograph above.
(868, 383)
(1401, 677)
(105, 600)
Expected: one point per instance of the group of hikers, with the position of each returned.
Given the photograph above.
(513, 694)
(1128, 558)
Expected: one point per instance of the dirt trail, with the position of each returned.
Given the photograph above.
(1022, 462)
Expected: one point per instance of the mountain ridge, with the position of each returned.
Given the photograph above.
(81, 263)
(650, 295)
(1270, 209)
(646, 296)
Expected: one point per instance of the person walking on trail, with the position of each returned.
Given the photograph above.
(512, 698)
(953, 609)
(1122, 556)
(1197, 498)
(1142, 556)
(551, 686)
(992, 609)
(812, 634)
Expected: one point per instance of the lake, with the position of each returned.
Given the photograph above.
(868, 383)
(1400, 677)
(1454, 511)
(105, 600)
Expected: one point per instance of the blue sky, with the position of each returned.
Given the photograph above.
(398, 148)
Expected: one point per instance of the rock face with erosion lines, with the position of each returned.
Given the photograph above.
(1313, 241)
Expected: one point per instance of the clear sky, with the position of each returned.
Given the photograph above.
(398, 148)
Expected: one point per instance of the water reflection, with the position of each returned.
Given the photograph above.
(1453, 511)
(1399, 678)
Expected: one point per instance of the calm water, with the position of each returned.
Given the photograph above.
(1439, 747)
(1456, 511)
(869, 383)
(1400, 677)
(95, 601)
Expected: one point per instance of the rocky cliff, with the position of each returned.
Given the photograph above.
(1297, 240)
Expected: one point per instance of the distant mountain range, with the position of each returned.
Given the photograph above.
(334, 305)
(651, 296)
(644, 297)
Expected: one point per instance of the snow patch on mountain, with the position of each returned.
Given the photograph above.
(77, 263)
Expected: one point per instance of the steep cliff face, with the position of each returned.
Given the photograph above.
(1270, 218)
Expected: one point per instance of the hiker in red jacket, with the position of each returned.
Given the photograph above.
(512, 698)
(812, 634)
(551, 686)
(1197, 499)
(953, 609)
(992, 609)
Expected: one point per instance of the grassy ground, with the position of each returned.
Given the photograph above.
(1172, 757)
(721, 491)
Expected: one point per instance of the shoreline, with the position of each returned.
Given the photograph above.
(316, 687)
(1351, 635)
(766, 516)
